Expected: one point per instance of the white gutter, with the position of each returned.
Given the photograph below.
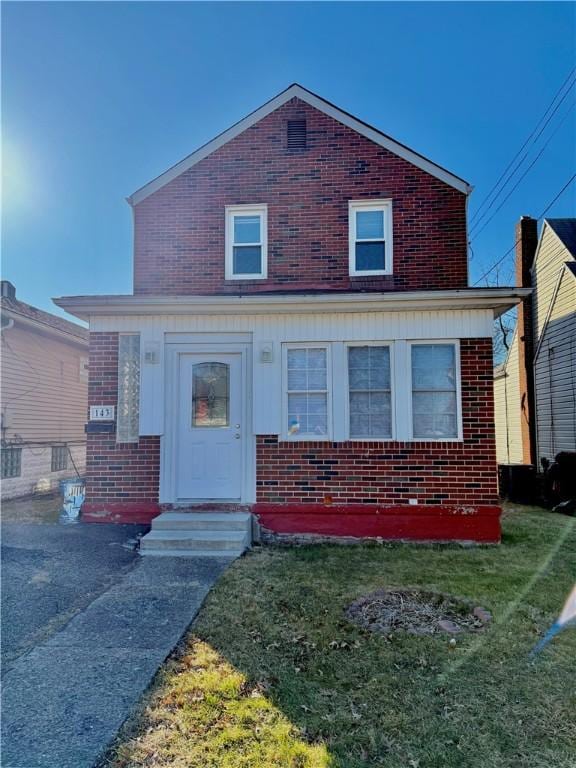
(498, 300)
(37, 325)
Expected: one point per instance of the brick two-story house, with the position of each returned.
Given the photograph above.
(301, 339)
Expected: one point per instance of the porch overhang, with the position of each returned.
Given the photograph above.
(498, 300)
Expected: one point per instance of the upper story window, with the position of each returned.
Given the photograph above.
(246, 242)
(370, 237)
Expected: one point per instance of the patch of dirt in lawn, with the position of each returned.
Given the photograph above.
(33, 509)
(416, 612)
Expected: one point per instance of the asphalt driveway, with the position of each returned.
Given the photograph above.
(86, 623)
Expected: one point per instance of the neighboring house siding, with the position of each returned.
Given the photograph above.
(36, 471)
(555, 373)
(44, 393)
(550, 259)
(501, 418)
(179, 229)
(508, 409)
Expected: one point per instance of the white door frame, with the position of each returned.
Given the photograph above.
(214, 344)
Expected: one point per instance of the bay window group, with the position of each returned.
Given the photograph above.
(397, 390)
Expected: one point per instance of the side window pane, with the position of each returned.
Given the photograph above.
(370, 225)
(128, 419)
(370, 256)
(247, 259)
(211, 395)
(369, 392)
(434, 391)
(307, 385)
(246, 229)
(59, 458)
(11, 462)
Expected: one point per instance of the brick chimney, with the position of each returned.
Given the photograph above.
(7, 289)
(526, 243)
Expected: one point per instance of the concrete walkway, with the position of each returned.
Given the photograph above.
(64, 699)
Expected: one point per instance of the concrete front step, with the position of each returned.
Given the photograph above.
(230, 553)
(198, 534)
(212, 521)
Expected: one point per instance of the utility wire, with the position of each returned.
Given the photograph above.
(532, 164)
(544, 212)
(530, 137)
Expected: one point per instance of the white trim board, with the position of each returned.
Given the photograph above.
(298, 92)
(497, 299)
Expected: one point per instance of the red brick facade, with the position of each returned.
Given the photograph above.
(120, 476)
(179, 229)
(349, 488)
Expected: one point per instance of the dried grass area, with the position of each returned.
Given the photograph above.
(415, 612)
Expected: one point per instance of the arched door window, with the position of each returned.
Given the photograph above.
(210, 395)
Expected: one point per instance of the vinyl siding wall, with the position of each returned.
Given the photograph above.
(555, 371)
(44, 395)
(550, 258)
(507, 410)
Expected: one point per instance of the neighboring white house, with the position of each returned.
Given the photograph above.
(553, 348)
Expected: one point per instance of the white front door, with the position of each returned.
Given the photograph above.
(209, 429)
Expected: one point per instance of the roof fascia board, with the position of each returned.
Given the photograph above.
(497, 300)
(296, 91)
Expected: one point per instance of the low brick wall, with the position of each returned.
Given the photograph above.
(122, 479)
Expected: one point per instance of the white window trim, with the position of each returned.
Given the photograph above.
(371, 439)
(460, 436)
(370, 205)
(260, 210)
(329, 385)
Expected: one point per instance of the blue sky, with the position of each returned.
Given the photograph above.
(98, 98)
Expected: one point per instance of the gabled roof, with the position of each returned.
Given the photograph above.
(297, 91)
(566, 231)
(19, 309)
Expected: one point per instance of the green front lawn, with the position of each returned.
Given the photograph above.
(273, 675)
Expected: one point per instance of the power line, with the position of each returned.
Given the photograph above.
(544, 212)
(511, 163)
(532, 164)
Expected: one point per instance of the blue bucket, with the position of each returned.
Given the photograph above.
(73, 492)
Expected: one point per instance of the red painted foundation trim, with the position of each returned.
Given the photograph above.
(142, 512)
(418, 523)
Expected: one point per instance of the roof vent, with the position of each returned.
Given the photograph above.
(7, 289)
(296, 134)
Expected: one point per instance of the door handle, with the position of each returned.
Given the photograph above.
(237, 436)
(237, 426)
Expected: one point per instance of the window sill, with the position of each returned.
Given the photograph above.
(242, 278)
(372, 273)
